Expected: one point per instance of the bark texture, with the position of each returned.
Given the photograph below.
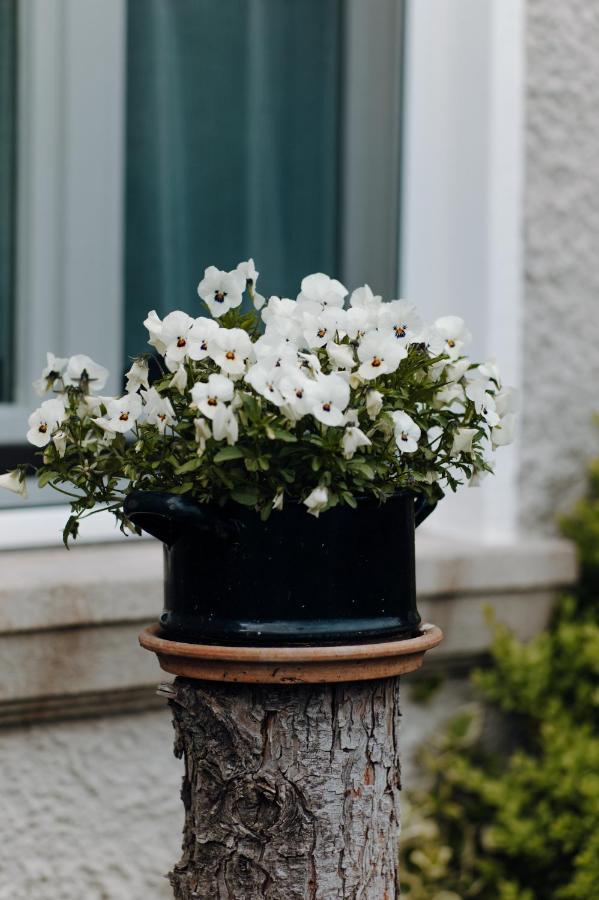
(290, 792)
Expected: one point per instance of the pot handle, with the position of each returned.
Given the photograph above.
(167, 516)
(423, 507)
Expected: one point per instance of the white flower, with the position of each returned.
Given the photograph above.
(407, 432)
(330, 396)
(258, 300)
(374, 403)
(158, 410)
(357, 321)
(264, 379)
(455, 371)
(13, 481)
(278, 500)
(44, 420)
(454, 334)
(50, 375)
(317, 501)
(400, 320)
(353, 437)
(248, 272)
(225, 426)
(504, 433)
(462, 441)
(84, 373)
(202, 433)
(318, 291)
(297, 392)
(363, 298)
(341, 355)
(201, 337)
(319, 329)
(273, 350)
(176, 336)
(449, 395)
(282, 318)
(506, 401)
(379, 355)
(209, 396)
(122, 414)
(221, 291)
(230, 350)
(154, 325)
(59, 439)
(484, 401)
(137, 376)
(179, 380)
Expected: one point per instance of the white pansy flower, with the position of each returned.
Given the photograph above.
(341, 355)
(319, 329)
(201, 337)
(43, 422)
(462, 441)
(59, 439)
(179, 380)
(504, 433)
(278, 500)
(490, 369)
(84, 373)
(282, 318)
(484, 401)
(225, 425)
(221, 291)
(400, 320)
(153, 323)
(274, 351)
(122, 414)
(407, 432)
(455, 371)
(317, 501)
(353, 437)
(209, 396)
(176, 335)
(363, 298)
(319, 290)
(506, 401)
(12, 481)
(137, 376)
(379, 355)
(454, 334)
(158, 410)
(447, 396)
(202, 432)
(248, 272)
(51, 374)
(230, 350)
(374, 403)
(264, 380)
(357, 321)
(330, 396)
(297, 392)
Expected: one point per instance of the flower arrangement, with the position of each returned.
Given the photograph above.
(316, 400)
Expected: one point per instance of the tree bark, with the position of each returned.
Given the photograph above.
(290, 791)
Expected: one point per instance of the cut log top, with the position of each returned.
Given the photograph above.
(291, 665)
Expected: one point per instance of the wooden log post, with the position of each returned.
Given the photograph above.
(291, 788)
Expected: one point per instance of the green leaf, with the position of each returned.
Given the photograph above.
(46, 476)
(190, 466)
(182, 488)
(282, 435)
(248, 496)
(228, 453)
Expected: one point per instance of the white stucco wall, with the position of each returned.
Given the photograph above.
(90, 809)
(561, 222)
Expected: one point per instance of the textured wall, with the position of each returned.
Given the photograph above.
(90, 809)
(561, 325)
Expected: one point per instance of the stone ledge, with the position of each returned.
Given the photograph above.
(69, 621)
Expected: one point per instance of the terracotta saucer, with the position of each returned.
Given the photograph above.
(291, 665)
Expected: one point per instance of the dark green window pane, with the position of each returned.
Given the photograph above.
(232, 146)
(8, 15)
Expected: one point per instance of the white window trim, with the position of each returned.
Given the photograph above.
(69, 198)
(461, 245)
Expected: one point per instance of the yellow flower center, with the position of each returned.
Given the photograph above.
(230, 354)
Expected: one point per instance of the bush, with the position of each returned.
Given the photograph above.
(522, 824)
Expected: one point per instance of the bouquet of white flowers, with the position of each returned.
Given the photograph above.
(314, 401)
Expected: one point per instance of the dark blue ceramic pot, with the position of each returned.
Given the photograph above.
(348, 576)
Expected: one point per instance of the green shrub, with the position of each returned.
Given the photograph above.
(520, 823)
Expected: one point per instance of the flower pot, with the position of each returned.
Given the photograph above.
(230, 578)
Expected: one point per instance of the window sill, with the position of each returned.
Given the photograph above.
(69, 621)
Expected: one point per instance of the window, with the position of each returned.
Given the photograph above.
(8, 67)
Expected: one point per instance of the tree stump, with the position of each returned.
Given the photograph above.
(290, 791)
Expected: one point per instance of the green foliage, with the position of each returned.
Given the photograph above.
(520, 824)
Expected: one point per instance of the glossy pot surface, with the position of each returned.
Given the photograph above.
(232, 579)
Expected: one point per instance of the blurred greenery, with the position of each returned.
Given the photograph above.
(512, 812)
